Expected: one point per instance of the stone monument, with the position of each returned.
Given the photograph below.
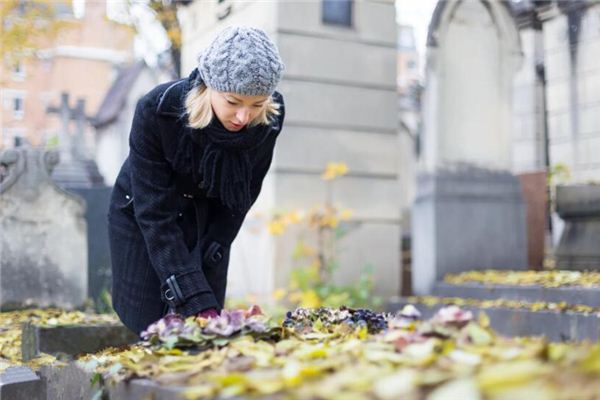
(469, 211)
(43, 237)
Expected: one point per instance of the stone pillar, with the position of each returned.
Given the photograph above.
(43, 239)
(469, 212)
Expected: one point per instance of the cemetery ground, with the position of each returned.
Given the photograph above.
(423, 348)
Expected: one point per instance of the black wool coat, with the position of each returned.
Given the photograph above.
(162, 226)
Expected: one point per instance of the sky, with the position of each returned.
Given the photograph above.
(416, 13)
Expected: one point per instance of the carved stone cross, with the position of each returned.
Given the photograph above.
(71, 146)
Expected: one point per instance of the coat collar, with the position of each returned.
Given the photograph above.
(172, 100)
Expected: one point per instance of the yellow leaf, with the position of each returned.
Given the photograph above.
(397, 386)
(557, 351)
(333, 170)
(484, 320)
(346, 214)
(293, 217)
(341, 169)
(310, 299)
(279, 294)
(232, 379)
(499, 376)
(465, 389)
(276, 227)
(592, 361)
(201, 391)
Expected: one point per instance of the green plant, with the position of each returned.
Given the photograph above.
(103, 304)
(316, 254)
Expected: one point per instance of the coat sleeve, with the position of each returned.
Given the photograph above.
(184, 285)
(226, 224)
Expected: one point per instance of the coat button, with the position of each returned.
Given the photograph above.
(217, 256)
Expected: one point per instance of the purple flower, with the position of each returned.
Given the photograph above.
(220, 326)
(168, 325)
(453, 315)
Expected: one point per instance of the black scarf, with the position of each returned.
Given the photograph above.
(224, 169)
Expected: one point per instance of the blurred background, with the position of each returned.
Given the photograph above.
(422, 137)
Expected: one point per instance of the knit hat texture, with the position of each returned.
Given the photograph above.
(241, 60)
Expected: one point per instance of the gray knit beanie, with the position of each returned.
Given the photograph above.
(241, 60)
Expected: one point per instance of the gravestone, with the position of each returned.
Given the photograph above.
(579, 207)
(469, 211)
(43, 238)
(78, 173)
(20, 383)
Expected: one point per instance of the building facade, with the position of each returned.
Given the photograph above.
(81, 61)
(557, 94)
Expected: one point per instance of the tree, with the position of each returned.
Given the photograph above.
(26, 25)
(166, 14)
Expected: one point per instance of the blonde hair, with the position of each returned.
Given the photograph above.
(200, 113)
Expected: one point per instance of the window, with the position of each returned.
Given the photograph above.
(18, 72)
(18, 107)
(337, 12)
(63, 9)
(12, 137)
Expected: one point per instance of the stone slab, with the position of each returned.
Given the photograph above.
(555, 326)
(533, 293)
(376, 65)
(466, 219)
(20, 383)
(67, 382)
(363, 151)
(72, 340)
(74, 382)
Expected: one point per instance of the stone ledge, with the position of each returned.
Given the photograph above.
(555, 326)
(72, 339)
(533, 293)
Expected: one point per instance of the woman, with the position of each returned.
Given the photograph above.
(199, 150)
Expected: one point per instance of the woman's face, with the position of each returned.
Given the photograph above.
(234, 110)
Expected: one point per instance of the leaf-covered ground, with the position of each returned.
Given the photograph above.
(551, 278)
(356, 354)
(342, 354)
(10, 331)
